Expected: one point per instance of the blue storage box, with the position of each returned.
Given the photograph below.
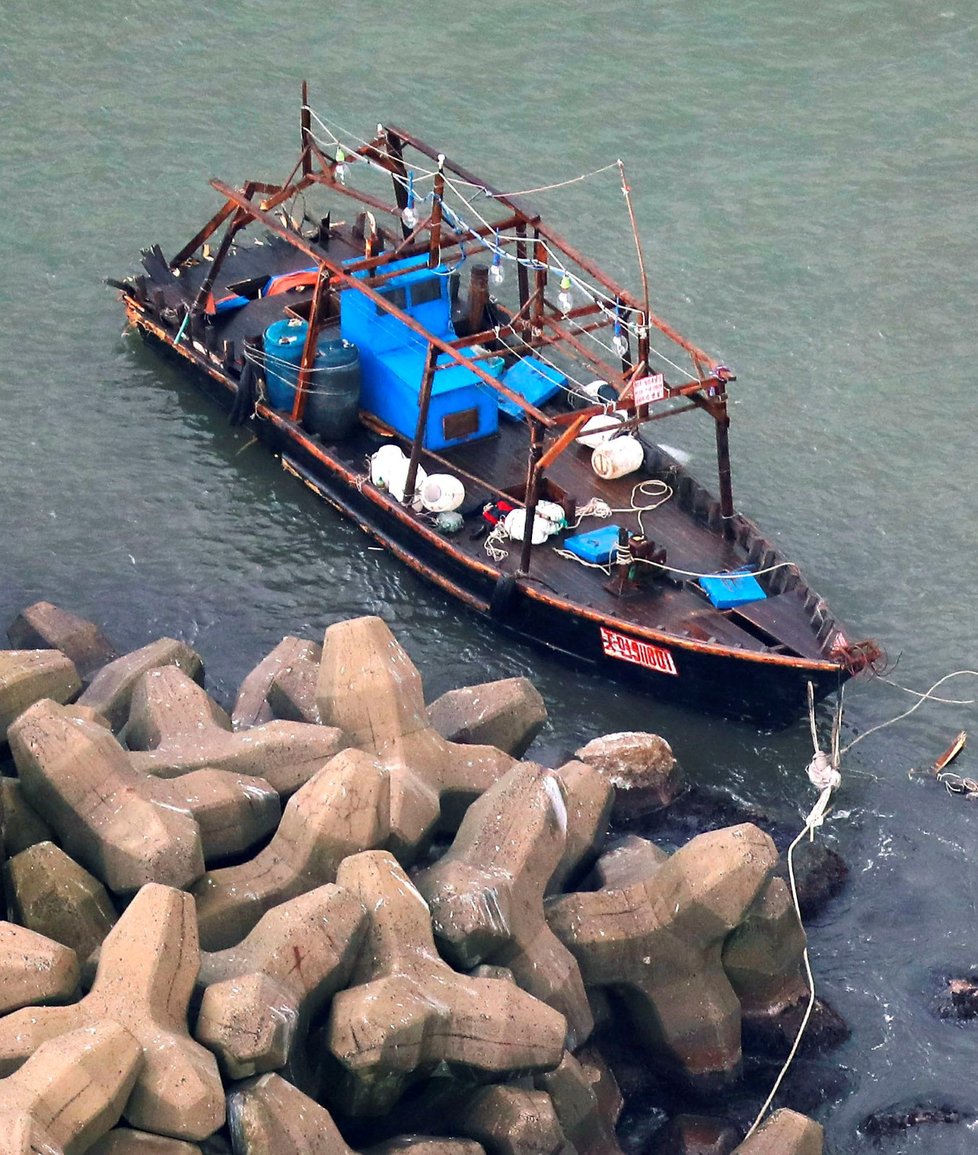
(729, 590)
(533, 380)
(462, 408)
(597, 547)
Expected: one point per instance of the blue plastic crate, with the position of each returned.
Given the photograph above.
(597, 547)
(533, 380)
(729, 590)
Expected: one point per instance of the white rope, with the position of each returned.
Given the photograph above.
(927, 696)
(815, 818)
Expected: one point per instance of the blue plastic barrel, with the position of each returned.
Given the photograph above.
(284, 342)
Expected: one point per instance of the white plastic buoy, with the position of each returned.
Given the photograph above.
(617, 458)
(548, 519)
(441, 493)
(389, 470)
(600, 428)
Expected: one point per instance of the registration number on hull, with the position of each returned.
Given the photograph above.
(627, 649)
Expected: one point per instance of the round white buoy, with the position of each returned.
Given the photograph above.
(441, 493)
(618, 457)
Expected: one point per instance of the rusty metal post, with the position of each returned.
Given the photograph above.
(723, 462)
(536, 309)
(434, 249)
(310, 347)
(522, 273)
(532, 494)
(304, 130)
(424, 403)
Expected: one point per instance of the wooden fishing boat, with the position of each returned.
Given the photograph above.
(444, 368)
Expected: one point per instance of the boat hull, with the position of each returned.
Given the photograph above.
(765, 689)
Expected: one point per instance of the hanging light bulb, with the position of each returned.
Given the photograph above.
(497, 274)
(409, 214)
(339, 169)
(619, 341)
(564, 298)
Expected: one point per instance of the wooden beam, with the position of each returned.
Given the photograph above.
(310, 347)
(424, 404)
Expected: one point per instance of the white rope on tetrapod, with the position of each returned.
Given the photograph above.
(824, 774)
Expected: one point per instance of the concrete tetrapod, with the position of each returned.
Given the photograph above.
(507, 714)
(45, 626)
(75, 773)
(69, 1092)
(369, 687)
(486, 892)
(341, 810)
(51, 894)
(408, 1011)
(28, 676)
(127, 827)
(146, 973)
(181, 729)
(784, 1133)
(268, 1114)
(126, 1141)
(22, 825)
(658, 943)
(261, 995)
(254, 705)
(34, 969)
(111, 688)
(579, 1110)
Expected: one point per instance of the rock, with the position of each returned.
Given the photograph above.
(126, 1141)
(27, 676)
(54, 896)
(578, 1108)
(784, 1133)
(341, 810)
(640, 766)
(111, 688)
(44, 626)
(34, 969)
(657, 943)
(370, 689)
(507, 714)
(70, 1091)
(146, 972)
(486, 892)
(261, 995)
(252, 707)
(408, 1011)
(820, 874)
(187, 731)
(903, 1117)
(22, 826)
(959, 999)
(78, 777)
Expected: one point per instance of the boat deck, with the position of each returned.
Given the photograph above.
(670, 602)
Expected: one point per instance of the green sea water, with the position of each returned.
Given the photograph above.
(804, 177)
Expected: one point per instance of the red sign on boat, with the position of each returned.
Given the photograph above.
(617, 645)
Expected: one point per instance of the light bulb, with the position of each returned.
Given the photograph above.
(409, 214)
(497, 274)
(564, 298)
(339, 169)
(620, 342)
